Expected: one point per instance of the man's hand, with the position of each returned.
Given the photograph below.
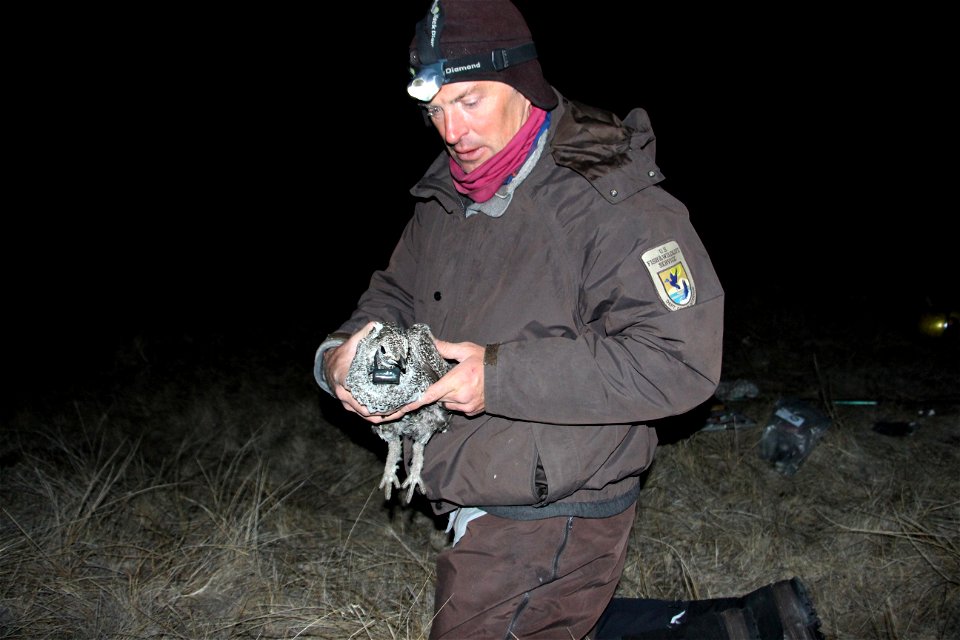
(336, 366)
(461, 389)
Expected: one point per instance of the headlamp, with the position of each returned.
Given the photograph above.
(426, 82)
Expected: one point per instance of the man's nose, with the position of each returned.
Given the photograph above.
(453, 127)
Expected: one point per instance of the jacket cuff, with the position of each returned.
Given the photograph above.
(335, 339)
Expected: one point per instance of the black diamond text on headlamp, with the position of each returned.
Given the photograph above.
(428, 79)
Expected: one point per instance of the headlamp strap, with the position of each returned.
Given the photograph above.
(503, 58)
(428, 35)
(496, 60)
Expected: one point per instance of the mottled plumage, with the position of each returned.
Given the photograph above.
(387, 351)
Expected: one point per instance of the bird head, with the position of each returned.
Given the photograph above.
(390, 355)
(386, 356)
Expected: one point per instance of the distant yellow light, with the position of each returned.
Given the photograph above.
(936, 324)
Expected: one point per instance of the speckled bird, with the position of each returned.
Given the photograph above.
(391, 368)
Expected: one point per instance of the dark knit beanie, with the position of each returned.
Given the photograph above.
(468, 40)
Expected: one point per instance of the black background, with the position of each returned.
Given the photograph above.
(244, 171)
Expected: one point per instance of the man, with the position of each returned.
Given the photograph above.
(578, 304)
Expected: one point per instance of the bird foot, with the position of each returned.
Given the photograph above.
(389, 481)
(411, 484)
(413, 480)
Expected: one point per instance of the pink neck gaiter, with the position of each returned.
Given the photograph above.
(481, 183)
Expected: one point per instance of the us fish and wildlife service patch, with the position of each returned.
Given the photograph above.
(671, 278)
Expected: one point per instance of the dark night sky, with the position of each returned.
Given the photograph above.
(198, 171)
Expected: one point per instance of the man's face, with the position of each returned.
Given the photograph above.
(477, 119)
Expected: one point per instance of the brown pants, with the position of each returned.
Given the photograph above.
(529, 579)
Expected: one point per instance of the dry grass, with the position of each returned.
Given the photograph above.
(226, 498)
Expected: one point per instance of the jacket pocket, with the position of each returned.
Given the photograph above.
(540, 487)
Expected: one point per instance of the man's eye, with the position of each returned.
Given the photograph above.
(433, 112)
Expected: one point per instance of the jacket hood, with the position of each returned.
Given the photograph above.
(617, 156)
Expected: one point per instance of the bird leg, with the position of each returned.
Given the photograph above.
(421, 425)
(413, 475)
(390, 479)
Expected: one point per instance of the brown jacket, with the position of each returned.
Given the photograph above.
(573, 283)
